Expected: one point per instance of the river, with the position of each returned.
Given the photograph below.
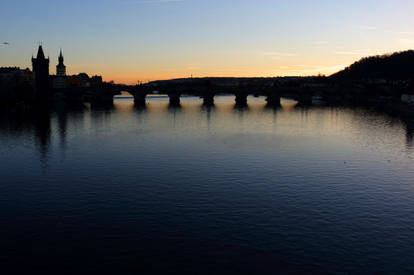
(207, 190)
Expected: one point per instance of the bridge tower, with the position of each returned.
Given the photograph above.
(40, 66)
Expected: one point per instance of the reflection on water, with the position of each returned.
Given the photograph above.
(409, 128)
(165, 188)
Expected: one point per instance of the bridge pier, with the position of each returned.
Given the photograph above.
(273, 99)
(140, 99)
(174, 99)
(208, 100)
(241, 99)
(304, 99)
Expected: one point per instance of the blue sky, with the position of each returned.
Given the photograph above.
(131, 40)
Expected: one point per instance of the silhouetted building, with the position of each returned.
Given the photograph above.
(41, 71)
(74, 82)
(83, 80)
(84, 77)
(15, 85)
(59, 81)
(12, 76)
(60, 68)
(79, 80)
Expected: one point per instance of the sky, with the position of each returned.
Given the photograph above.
(141, 40)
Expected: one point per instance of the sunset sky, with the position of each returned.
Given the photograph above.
(140, 40)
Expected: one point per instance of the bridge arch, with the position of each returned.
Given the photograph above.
(123, 95)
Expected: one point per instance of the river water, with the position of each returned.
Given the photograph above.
(198, 190)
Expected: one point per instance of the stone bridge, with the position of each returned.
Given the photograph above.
(204, 89)
(208, 91)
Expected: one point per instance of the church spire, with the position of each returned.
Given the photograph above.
(60, 57)
(60, 68)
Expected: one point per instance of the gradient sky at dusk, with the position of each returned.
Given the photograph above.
(131, 40)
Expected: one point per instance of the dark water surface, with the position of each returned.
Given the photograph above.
(207, 190)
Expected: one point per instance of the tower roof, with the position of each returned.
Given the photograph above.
(60, 59)
(60, 56)
(40, 53)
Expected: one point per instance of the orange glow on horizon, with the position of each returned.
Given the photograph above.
(139, 77)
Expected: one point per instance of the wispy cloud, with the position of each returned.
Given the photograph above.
(355, 52)
(278, 55)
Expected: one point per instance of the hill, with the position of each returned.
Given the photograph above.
(396, 66)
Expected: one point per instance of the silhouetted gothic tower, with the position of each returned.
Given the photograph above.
(60, 68)
(41, 70)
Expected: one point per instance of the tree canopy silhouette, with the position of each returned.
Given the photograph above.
(395, 66)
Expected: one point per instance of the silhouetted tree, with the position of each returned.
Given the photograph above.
(396, 66)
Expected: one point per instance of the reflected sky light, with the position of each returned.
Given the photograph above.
(343, 126)
(206, 183)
